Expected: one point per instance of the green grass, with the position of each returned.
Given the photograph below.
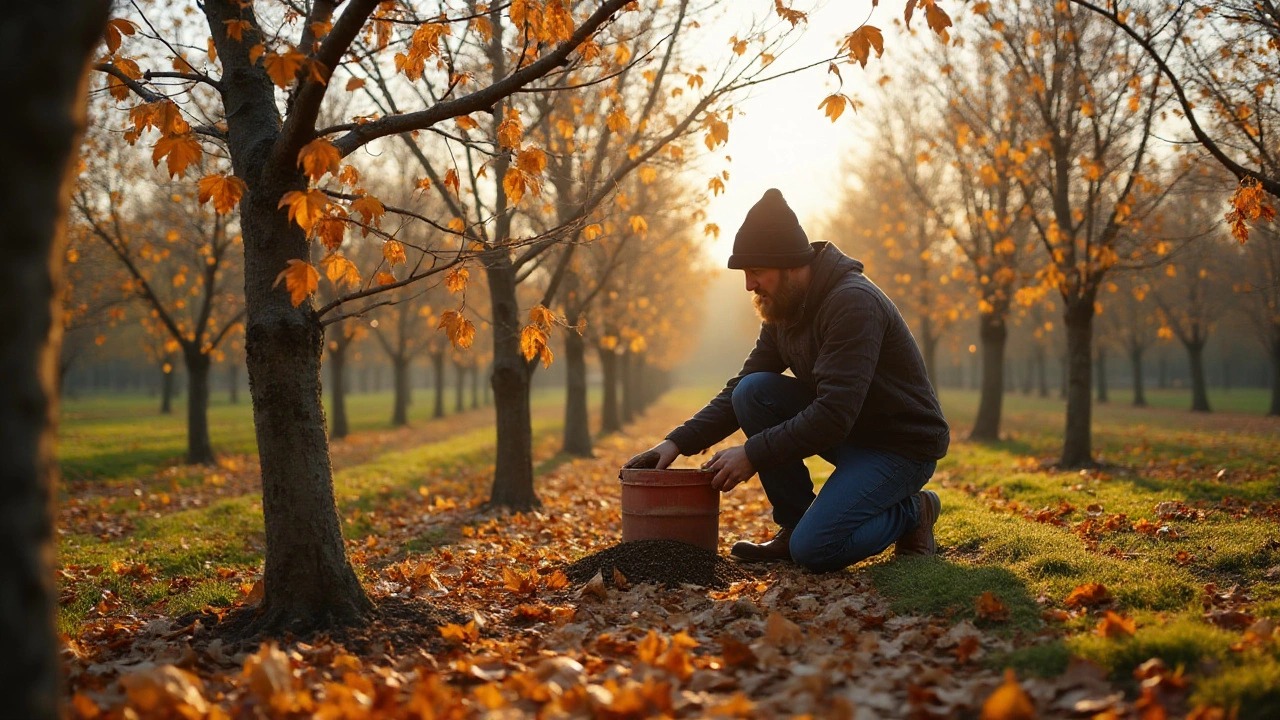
(196, 543)
(125, 436)
(1155, 455)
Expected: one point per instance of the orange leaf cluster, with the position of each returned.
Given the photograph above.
(300, 279)
(1250, 203)
(989, 606)
(459, 329)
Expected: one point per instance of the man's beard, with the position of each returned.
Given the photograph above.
(782, 303)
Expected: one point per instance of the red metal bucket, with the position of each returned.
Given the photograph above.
(670, 505)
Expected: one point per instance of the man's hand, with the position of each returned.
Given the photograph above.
(732, 468)
(657, 457)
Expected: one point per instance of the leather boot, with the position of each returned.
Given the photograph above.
(919, 540)
(779, 548)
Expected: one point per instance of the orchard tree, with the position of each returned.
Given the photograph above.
(887, 218)
(1221, 58)
(43, 120)
(183, 262)
(254, 98)
(1091, 178)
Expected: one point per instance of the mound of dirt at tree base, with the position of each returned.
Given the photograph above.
(661, 562)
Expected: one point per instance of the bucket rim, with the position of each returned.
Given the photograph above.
(648, 477)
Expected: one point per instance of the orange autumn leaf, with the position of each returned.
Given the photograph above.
(459, 329)
(300, 279)
(859, 44)
(1114, 625)
(1088, 595)
(370, 209)
(384, 278)
(115, 28)
(532, 161)
(224, 190)
(319, 157)
(451, 181)
(355, 83)
(833, 106)
(340, 270)
(236, 28)
(306, 207)
(989, 606)
(468, 633)
(178, 151)
(456, 280)
(466, 123)
(511, 129)
(1009, 701)
(393, 252)
(542, 317)
(283, 67)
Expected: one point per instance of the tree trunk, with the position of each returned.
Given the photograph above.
(400, 404)
(1042, 371)
(577, 428)
(1139, 392)
(1065, 362)
(487, 387)
(233, 383)
(307, 577)
(38, 134)
(166, 389)
(459, 385)
(929, 348)
(1077, 446)
(1102, 374)
(610, 419)
(1275, 373)
(513, 469)
(992, 333)
(437, 372)
(338, 427)
(1199, 388)
(474, 372)
(625, 370)
(199, 449)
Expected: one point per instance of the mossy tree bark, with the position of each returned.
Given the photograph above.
(39, 131)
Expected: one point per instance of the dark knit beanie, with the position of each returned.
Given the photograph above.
(771, 237)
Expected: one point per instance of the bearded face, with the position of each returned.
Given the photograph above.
(783, 302)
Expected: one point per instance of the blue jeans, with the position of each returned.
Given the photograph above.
(863, 508)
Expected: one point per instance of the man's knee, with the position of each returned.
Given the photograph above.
(752, 391)
(816, 554)
(810, 552)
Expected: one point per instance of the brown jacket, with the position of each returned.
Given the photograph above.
(851, 346)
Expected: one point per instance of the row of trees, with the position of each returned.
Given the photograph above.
(384, 170)
(1016, 177)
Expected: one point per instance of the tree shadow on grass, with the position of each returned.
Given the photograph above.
(944, 588)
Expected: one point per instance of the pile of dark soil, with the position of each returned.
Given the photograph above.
(661, 562)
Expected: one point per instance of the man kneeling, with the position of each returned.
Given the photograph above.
(860, 398)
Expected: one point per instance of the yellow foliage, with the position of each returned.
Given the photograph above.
(306, 207)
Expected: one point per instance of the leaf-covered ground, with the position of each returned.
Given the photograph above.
(1037, 570)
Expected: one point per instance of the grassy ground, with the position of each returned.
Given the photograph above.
(143, 534)
(1031, 536)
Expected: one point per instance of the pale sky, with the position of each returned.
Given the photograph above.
(782, 139)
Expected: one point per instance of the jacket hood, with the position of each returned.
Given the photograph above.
(827, 268)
